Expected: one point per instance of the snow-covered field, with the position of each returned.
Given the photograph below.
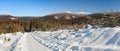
(101, 39)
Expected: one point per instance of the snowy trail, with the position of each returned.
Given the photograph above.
(28, 43)
(14, 44)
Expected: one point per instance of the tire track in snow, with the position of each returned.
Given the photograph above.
(36, 38)
(15, 43)
(36, 46)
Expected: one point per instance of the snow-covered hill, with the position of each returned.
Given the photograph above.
(67, 15)
(101, 39)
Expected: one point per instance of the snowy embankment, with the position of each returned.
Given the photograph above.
(101, 39)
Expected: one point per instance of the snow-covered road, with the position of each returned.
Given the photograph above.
(28, 43)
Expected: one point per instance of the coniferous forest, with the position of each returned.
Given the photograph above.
(28, 24)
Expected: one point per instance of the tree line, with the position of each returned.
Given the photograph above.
(11, 26)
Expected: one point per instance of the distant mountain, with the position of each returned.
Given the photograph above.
(22, 18)
(7, 17)
(28, 18)
(63, 16)
(67, 15)
(104, 14)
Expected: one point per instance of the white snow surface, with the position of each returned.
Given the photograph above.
(101, 39)
(9, 40)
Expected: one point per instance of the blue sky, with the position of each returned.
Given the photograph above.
(44, 7)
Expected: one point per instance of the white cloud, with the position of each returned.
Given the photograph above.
(5, 12)
(83, 13)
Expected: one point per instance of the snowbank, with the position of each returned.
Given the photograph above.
(83, 39)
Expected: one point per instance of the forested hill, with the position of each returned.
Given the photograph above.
(57, 21)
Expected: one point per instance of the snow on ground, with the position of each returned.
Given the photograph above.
(8, 41)
(28, 43)
(101, 39)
